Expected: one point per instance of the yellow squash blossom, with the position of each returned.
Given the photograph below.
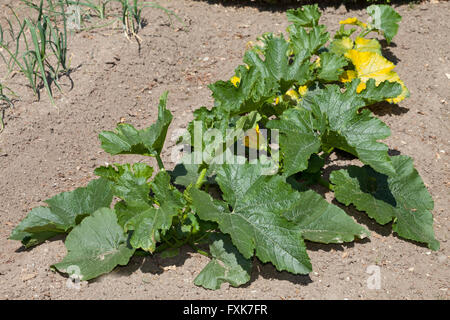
(254, 139)
(317, 62)
(353, 21)
(277, 100)
(293, 94)
(371, 65)
(235, 81)
(302, 90)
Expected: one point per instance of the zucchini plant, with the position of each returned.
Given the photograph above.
(293, 102)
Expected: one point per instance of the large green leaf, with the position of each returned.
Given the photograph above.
(255, 87)
(149, 224)
(164, 192)
(255, 224)
(128, 140)
(64, 212)
(305, 16)
(130, 181)
(377, 93)
(298, 140)
(280, 66)
(384, 19)
(264, 216)
(344, 126)
(137, 212)
(331, 66)
(263, 79)
(96, 246)
(227, 265)
(324, 222)
(402, 198)
(305, 43)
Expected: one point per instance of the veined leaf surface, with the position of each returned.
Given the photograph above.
(63, 212)
(402, 198)
(96, 246)
(129, 140)
(227, 265)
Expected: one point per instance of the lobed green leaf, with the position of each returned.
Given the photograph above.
(402, 198)
(64, 212)
(305, 16)
(384, 19)
(227, 265)
(298, 139)
(344, 126)
(331, 66)
(96, 246)
(128, 140)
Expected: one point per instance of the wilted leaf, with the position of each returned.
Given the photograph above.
(370, 65)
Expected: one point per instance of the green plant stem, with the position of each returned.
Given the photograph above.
(167, 242)
(2, 124)
(162, 247)
(40, 56)
(160, 163)
(201, 179)
(365, 33)
(326, 184)
(197, 240)
(202, 252)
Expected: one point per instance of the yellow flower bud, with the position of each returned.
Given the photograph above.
(235, 81)
(302, 90)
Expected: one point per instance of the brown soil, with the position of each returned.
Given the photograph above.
(45, 150)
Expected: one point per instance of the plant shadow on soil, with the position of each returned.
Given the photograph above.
(269, 272)
(59, 237)
(386, 108)
(156, 265)
(387, 52)
(361, 217)
(283, 5)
